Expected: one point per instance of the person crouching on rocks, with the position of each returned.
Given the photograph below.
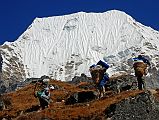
(44, 97)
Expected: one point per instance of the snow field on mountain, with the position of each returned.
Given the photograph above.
(64, 46)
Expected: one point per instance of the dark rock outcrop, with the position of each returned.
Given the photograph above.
(141, 107)
(122, 83)
(81, 97)
(77, 79)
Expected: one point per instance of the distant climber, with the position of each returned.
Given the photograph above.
(42, 92)
(44, 97)
(140, 66)
(99, 76)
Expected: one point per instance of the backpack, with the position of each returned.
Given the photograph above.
(140, 69)
(38, 93)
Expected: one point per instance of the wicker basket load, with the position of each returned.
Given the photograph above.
(97, 73)
(140, 69)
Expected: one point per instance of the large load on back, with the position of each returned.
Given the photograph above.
(99, 76)
(140, 69)
(140, 65)
(97, 73)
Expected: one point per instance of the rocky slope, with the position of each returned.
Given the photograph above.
(129, 104)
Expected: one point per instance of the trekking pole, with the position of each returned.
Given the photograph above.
(35, 88)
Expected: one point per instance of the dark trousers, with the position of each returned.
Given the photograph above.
(141, 83)
(43, 103)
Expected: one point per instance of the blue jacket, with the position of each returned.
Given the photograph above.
(104, 80)
(143, 59)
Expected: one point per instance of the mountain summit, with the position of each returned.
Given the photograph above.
(62, 47)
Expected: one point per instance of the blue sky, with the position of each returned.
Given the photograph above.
(17, 15)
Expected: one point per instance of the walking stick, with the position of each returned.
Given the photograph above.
(35, 89)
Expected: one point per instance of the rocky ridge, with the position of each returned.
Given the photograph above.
(127, 104)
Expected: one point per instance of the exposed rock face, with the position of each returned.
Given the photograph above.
(2, 106)
(140, 107)
(81, 97)
(14, 68)
(77, 79)
(122, 83)
(72, 102)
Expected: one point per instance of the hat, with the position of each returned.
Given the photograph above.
(139, 56)
(52, 87)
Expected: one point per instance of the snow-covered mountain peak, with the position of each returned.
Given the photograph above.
(64, 46)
